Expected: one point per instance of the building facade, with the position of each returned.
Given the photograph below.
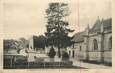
(94, 44)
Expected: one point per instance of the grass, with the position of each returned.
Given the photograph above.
(97, 62)
(23, 64)
(40, 65)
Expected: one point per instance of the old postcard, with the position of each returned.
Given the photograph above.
(57, 36)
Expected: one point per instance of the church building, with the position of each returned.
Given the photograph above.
(94, 44)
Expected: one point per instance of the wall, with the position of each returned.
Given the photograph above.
(93, 54)
(107, 51)
(31, 46)
(79, 52)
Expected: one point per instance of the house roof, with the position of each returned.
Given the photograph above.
(78, 37)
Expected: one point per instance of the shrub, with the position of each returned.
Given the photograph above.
(52, 53)
(65, 56)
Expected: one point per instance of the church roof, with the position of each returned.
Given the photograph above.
(107, 24)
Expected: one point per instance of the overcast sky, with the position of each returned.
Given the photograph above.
(23, 18)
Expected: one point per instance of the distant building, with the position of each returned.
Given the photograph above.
(94, 43)
(10, 46)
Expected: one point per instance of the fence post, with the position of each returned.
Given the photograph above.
(11, 63)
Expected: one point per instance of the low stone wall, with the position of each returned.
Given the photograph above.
(96, 56)
(108, 57)
(81, 55)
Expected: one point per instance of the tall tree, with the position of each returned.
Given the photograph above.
(57, 28)
(23, 43)
(9, 44)
(39, 42)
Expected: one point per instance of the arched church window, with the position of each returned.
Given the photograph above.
(95, 44)
(110, 43)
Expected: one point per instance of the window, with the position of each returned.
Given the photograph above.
(73, 45)
(31, 47)
(110, 43)
(73, 53)
(69, 53)
(95, 44)
(80, 48)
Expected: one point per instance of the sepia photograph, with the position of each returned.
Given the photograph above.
(57, 34)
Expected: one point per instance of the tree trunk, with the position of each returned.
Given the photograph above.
(59, 54)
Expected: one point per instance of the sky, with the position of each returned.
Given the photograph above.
(24, 18)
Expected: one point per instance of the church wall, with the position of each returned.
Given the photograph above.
(80, 54)
(94, 54)
(91, 43)
(107, 51)
(106, 41)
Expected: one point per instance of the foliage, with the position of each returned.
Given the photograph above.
(65, 56)
(57, 28)
(39, 42)
(23, 43)
(9, 44)
(15, 44)
(52, 53)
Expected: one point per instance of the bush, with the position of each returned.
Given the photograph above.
(65, 56)
(52, 53)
